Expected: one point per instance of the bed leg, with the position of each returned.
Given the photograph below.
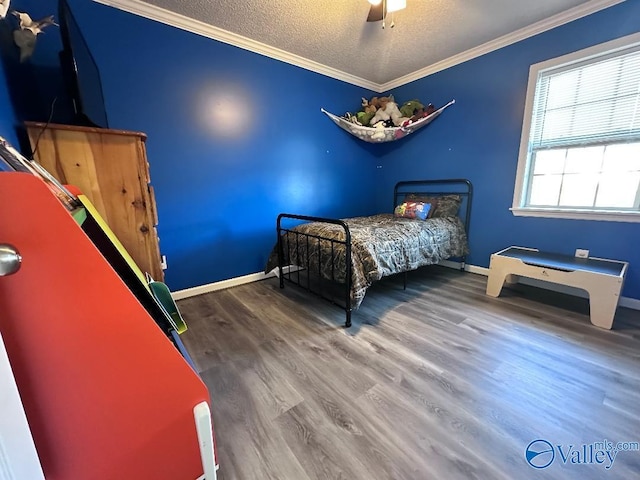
(404, 281)
(347, 324)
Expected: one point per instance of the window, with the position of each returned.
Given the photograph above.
(580, 146)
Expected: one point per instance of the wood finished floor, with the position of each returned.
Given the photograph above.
(435, 382)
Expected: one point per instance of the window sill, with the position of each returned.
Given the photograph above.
(576, 214)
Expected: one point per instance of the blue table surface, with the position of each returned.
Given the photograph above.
(567, 263)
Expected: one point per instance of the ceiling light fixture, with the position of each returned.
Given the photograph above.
(381, 8)
(395, 5)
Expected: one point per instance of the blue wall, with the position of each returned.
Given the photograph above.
(34, 84)
(234, 138)
(28, 89)
(479, 138)
(7, 117)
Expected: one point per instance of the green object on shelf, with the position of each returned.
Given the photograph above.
(79, 215)
(163, 296)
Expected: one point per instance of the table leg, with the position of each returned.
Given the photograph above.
(602, 306)
(495, 281)
(494, 284)
(499, 270)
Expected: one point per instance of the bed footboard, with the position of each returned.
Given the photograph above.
(305, 247)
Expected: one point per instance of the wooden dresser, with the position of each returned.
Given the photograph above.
(110, 167)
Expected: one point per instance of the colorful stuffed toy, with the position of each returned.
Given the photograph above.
(417, 210)
(370, 106)
(379, 134)
(383, 112)
(410, 108)
(420, 114)
(389, 111)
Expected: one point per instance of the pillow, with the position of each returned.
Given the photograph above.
(442, 206)
(418, 210)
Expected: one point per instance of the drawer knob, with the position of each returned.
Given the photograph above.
(10, 259)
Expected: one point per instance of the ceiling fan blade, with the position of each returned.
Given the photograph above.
(376, 12)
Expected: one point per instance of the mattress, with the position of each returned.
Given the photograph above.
(382, 245)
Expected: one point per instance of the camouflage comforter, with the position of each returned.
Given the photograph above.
(382, 245)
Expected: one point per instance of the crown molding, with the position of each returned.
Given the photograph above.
(152, 12)
(552, 22)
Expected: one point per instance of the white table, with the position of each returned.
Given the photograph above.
(601, 278)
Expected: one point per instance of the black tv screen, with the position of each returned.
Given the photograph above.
(80, 72)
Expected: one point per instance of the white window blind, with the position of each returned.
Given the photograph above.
(594, 103)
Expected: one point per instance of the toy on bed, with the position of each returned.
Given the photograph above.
(419, 210)
(351, 254)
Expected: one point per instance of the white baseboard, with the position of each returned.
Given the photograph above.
(212, 287)
(231, 282)
(467, 268)
(627, 302)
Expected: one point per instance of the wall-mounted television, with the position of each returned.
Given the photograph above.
(80, 72)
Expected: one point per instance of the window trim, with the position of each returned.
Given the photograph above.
(579, 56)
(568, 213)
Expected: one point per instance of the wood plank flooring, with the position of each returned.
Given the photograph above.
(437, 381)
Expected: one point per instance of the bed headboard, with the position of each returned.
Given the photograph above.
(447, 186)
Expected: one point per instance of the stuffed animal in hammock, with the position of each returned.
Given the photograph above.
(4, 8)
(389, 112)
(25, 36)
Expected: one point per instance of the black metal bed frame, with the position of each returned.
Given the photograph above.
(459, 186)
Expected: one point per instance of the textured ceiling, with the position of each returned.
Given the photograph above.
(335, 33)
